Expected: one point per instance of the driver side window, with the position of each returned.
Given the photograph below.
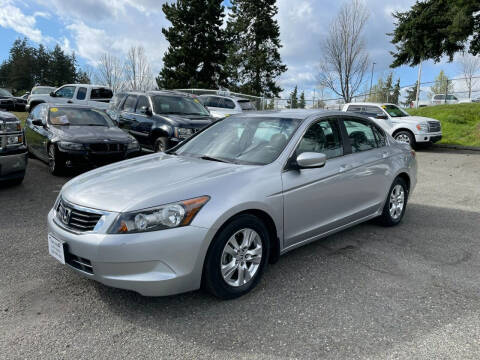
(66, 92)
(322, 137)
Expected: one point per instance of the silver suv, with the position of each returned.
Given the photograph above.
(223, 106)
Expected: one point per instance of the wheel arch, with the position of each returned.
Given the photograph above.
(396, 131)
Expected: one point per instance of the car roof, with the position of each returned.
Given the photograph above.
(237, 98)
(155, 92)
(70, 106)
(300, 114)
(88, 86)
(370, 104)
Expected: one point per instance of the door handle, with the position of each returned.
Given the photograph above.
(70, 102)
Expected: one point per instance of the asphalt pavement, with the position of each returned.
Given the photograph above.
(369, 292)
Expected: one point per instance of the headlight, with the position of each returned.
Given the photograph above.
(10, 127)
(183, 133)
(133, 145)
(15, 140)
(65, 145)
(163, 217)
(422, 127)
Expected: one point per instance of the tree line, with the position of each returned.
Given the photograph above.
(28, 66)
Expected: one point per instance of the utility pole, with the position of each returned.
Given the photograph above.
(371, 79)
(417, 96)
(313, 104)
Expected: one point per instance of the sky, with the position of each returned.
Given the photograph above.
(92, 27)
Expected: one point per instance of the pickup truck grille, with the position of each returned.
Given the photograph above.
(75, 219)
(434, 126)
(107, 147)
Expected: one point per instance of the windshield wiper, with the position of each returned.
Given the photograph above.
(206, 157)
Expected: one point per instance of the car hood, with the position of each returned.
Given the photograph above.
(148, 181)
(193, 121)
(89, 134)
(415, 119)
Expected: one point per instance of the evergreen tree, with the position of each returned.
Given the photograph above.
(396, 93)
(411, 95)
(301, 103)
(197, 45)
(63, 67)
(82, 77)
(22, 61)
(442, 84)
(43, 72)
(254, 61)
(292, 102)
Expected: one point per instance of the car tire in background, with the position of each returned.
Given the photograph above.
(161, 144)
(237, 257)
(406, 137)
(55, 165)
(396, 203)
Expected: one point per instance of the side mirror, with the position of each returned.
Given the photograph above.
(381, 116)
(308, 160)
(37, 122)
(52, 94)
(146, 110)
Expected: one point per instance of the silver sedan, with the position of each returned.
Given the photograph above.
(215, 210)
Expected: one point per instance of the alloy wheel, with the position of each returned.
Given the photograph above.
(51, 158)
(241, 257)
(397, 202)
(403, 138)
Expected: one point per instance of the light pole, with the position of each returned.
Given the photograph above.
(371, 79)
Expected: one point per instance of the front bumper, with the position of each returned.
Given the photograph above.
(428, 137)
(158, 263)
(13, 166)
(86, 158)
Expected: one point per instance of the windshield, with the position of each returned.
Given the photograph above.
(78, 117)
(42, 90)
(4, 92)
(246, 105)
(394, 111)
(242, 140)
(166, 104)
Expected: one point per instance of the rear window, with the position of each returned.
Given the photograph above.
(246, 105)
(101, 93)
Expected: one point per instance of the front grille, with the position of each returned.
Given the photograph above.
(434, 126)
(107, 147)
(78, 262)
(76, 219)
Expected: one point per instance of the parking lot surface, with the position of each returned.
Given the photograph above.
(412, 291)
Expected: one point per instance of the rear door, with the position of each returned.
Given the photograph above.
(369, 168)
(141, 125)
(64, 95)
(100, 97)
(127, 113)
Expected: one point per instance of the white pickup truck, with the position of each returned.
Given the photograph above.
(398, 123)
(96, 96)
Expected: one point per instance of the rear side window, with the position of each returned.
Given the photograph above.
(373, 110)
(246, 105)
(322, 137)
(101, 93)
(129, 104)
(115, 101)
(81, 93)
(354, 108)
(213, 101)
(438, 97)
(361, 135)
(65, 92)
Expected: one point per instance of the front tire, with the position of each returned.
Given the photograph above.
(237, 257)
(55, 165)
(161, 144)
(406, 137)
(396, 203)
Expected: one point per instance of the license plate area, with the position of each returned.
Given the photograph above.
(56, 248)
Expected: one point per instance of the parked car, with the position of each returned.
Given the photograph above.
(13, 152)
(217, 208)
(439, 99)
(96, 96)
(67, 136)
(222, 106)
(20, 102)
(7, 100)
(399, 124)
(42, 90)
(159, 119)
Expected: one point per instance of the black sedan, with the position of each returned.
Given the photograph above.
(7, 100)
(67, 136)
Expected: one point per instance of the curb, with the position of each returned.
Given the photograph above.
(457, 147)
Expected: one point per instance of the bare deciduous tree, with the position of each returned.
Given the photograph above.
(138, 74)
(110, 72)
(344, 61)
(470, 66)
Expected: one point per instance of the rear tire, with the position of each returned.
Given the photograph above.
(237, 257)
(161, 144)
(406, 137)
(396, 204)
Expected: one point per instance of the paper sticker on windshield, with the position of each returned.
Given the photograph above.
(60, 120)
(196, 100)
(53, 109)
(384, 107)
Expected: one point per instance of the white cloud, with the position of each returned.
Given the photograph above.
(13, 18)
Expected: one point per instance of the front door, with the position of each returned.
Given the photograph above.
(317, 200)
